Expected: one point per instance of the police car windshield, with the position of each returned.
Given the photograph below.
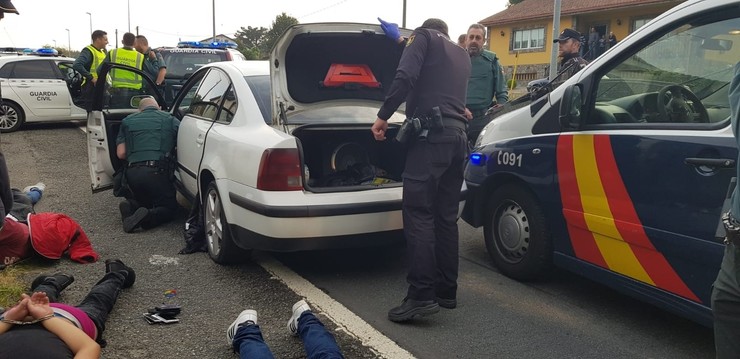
(183, 62)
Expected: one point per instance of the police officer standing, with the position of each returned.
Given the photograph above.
(124, 83)
(571, 61)
(147, 141)
(154, 65)
(88, 62)
(487, 85)
(433, 72)
(726, 288)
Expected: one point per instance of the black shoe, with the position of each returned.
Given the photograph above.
(126, 209)
(115, 265)
(133, 221)
(58, 280)
(411, 308)
(447, 303)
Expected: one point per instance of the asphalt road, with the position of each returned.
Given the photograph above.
(497, 317)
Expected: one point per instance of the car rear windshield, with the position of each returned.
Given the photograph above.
(183, 62)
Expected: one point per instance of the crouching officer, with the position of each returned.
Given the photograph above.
(726, 288)
(433, 72)
(147, 142)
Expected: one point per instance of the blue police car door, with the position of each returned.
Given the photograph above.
(644, 179)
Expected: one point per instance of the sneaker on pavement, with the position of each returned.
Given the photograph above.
(59, 280)
(133, 221)
(39, 186)
(116, 265)
(246, 317)
(298, 308)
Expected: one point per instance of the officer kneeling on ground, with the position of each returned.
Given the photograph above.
(147, 141)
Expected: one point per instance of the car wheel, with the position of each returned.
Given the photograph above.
(221, 246)
(516, 235)
(12, 117)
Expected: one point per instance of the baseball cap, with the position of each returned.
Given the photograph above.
(568, 34)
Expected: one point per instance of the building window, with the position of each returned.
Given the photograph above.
(529, 39)
(638, 23)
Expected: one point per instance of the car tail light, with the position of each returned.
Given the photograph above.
(280, 170)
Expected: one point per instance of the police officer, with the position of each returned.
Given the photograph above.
(124, 83)
(571, 61)
(88, 62)
(487, 84)
(6, 195)
(154, 65)
(433, 72)
(726, 288)
(147, 141)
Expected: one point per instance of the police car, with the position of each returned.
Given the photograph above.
(182, 61)
(280, 153)
(621, 173)
(39, 88)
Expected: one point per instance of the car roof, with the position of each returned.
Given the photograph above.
(4, 59)
(247, 68)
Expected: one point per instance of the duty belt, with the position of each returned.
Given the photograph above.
(451, 122)
(732, 229)
(144, 164)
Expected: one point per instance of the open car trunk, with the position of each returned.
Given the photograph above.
(347, 157)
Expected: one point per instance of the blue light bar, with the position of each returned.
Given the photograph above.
(46, 52)
(477, 159)
(207, 44)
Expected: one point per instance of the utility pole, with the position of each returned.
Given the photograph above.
(90, 21)
(128, 3)
(116, 38)
(137, 30)
(214, 20)
(555, 35)
(403, 24)
(69, 43)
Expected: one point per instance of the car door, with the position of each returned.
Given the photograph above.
(644, 181)
(73, 79)
(109, 108)
(38, 85)
(199, 108)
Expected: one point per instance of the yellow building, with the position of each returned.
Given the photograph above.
(521, 35)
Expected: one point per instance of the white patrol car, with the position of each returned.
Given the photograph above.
(621, 173)
(38, 89)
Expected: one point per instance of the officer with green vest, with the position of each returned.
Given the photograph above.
(487, 84)
(146, 141)
(88, 62)
(125, 83)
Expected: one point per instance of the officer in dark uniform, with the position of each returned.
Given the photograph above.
(433, 72)
(6, 195)
(147, 141)
(569, 44)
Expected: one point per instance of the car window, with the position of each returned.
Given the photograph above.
(124, 88)
(682, 77)
(184, 62)
(38, 69)
(210, 93)
(228, 108)
(260, 86)
(189, 94)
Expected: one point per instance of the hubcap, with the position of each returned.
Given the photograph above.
(511, 232)
(9, 118)
(214, 229)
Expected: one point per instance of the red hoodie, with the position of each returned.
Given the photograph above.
(52, 234)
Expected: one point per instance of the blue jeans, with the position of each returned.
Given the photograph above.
(317, 341)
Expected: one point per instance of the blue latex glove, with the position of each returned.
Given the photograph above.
(390, 29)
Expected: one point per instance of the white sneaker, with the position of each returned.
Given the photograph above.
(248, 315)
(298, 308)
(40, 186)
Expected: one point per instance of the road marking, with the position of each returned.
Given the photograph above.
(160, 260)
(344, 318)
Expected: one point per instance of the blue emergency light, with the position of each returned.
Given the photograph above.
(46, 52)
(477, 159)
(207, 44)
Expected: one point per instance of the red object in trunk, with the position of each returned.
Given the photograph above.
(343, 74)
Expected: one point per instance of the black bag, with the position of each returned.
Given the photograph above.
(194, 234)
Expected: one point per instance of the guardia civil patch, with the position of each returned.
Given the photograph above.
(410, 40)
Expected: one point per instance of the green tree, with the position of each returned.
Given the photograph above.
(256, 42)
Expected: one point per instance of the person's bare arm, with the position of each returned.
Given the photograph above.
(81, 345)
(161, 75)
(121, 151)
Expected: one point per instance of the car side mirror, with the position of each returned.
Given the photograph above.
(570, 107)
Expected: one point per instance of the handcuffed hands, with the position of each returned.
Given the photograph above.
(390, 29)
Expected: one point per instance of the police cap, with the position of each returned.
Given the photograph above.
(568, 34)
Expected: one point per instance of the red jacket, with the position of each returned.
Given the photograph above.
(52, 234)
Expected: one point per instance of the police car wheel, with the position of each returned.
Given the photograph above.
(11, 118)
(515, 232)
(221, 247)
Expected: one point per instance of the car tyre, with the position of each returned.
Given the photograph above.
(516, 234)
(221, 246)
(12, 117)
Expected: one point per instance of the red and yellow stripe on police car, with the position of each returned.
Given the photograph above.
(602, 223)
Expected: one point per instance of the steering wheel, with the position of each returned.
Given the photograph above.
(697, 107)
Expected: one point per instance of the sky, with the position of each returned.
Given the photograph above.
(164, 22)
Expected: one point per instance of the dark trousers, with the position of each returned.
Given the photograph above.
(86, 95)
(153, 189)
(475, 126)
(726, 305)
(99, 301)
(431, 197)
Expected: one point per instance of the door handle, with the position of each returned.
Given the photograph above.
(200, 140)
(710, 162)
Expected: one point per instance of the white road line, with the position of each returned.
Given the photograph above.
(338, 313)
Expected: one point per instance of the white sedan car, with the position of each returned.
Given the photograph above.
(279, 153)
(38, 89)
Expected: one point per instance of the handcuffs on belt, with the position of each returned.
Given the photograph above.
(732, 229)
